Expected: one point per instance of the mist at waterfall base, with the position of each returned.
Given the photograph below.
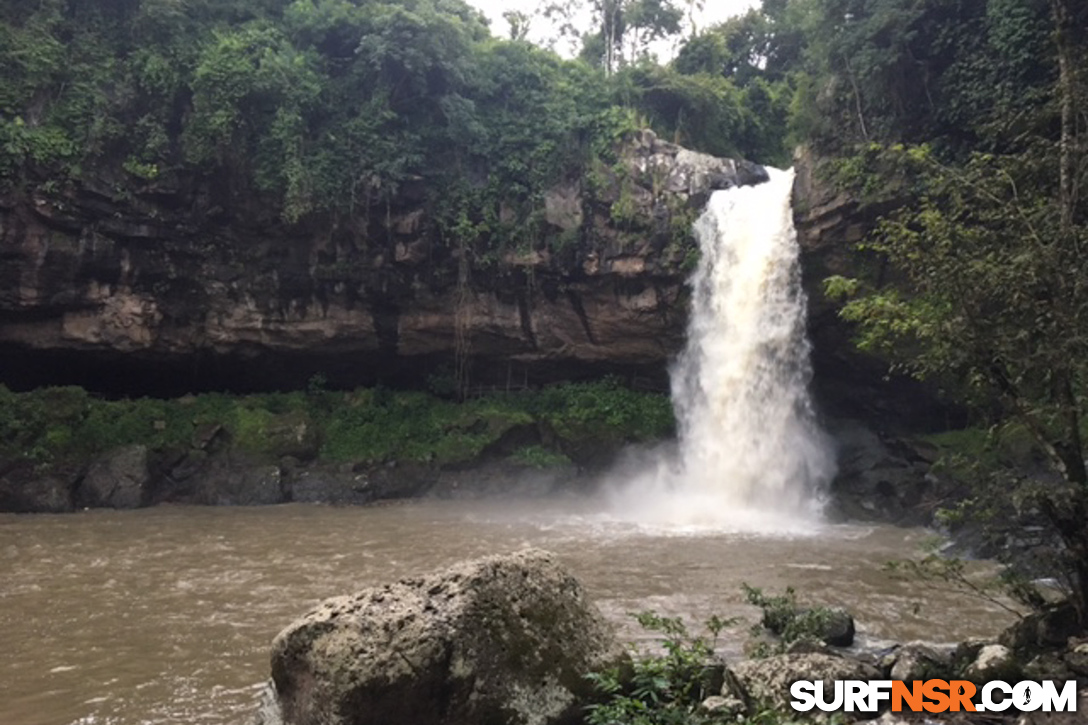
(750, 456)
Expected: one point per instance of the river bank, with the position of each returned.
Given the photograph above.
(63, 449)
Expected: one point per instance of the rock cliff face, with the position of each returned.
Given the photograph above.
(850, 384)
(184, 287)
(172, 289)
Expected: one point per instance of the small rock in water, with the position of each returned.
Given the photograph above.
(839, 629)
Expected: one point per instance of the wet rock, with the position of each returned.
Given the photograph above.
(1048, 666)
(1076, 659)
(330, 486)
(838, 630)
(807, 645)
(237, 480)
(503, 479)
(994, 662)
(878, 479)
(1043, 630)
(505, 639)
(118, 480)
(268, 708)
(23, 491)
(917, 661)
(292, 434)
(355, 485)
(768, 681)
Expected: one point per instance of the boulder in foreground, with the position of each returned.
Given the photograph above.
(504, 640)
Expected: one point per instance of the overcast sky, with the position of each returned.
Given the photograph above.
(714, 12)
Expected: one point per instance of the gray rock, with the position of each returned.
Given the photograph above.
(1076, 659)
(807, 645)
(235, 480)
(22, 491)
(655, 163)
(563, 207)
(1047, 666)
(724, 708)
(1043, 630)
(292, 434)
(268, 708)
(505, 639)
(839, 628)
(768, 681)
(994, 662)
(119, 480)
(357, 485)
(879, 478)
(918, 661)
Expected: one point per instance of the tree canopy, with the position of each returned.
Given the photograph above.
(328, 107)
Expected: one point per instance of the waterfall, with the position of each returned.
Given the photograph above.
(750, 452)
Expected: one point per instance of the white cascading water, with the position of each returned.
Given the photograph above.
(751, 455)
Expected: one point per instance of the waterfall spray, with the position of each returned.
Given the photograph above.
(750, 450)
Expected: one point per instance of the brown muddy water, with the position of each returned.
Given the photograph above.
(165, 615)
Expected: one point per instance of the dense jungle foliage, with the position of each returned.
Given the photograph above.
(962, 127)
(332, 107)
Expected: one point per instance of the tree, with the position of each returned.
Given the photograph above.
(622, 29)
(519, 24)
(990, 286)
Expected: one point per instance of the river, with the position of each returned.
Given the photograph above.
(165, 615)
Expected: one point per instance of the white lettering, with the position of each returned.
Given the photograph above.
(823, 704)
(856, 696)
(988, 696)
(1064, 701)
(1027, 696)
(804, 698)
(879, 690)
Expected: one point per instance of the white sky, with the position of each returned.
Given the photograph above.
(714, 11)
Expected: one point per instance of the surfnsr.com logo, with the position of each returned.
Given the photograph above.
(934, 696)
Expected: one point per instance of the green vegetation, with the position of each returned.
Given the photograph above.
(961, 123)
(322, 111)
(55, 426)
(982, 282)
(669, 687)
(662, 689)
(786, 620)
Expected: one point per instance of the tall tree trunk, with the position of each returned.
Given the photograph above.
(1069, 511)
(1064, 27)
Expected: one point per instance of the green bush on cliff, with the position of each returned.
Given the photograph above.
(52, 426)
(575, 410)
